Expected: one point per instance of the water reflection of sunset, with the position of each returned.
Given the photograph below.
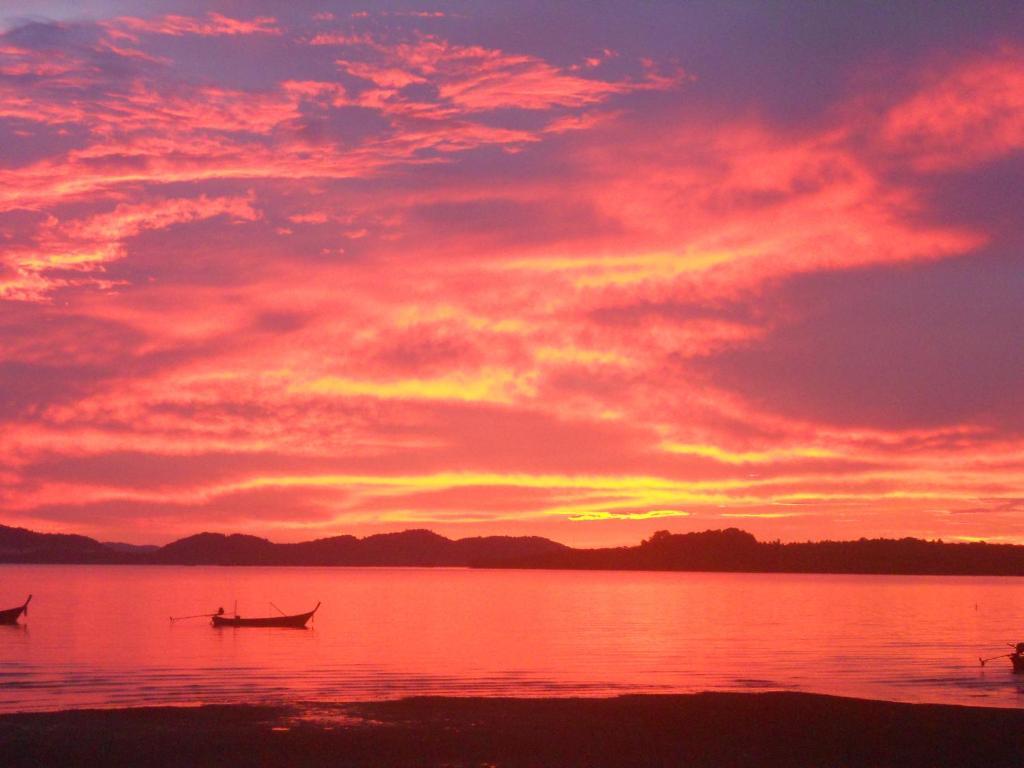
(393, 632)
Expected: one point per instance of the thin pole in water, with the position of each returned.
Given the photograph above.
(1000, 656)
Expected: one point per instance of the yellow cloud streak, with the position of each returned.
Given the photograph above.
(765, 515)
(443, 480)
(747, 457)
(574, 497)
(709, 490)
(492, 385)
(592, 272)
(649, 515)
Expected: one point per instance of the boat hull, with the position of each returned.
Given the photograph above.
(11, 615)
(298, 621)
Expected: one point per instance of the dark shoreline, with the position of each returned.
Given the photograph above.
(725, 551)
(705, 729)
(525, 568)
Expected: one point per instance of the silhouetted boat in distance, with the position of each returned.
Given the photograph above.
(298, 621)
(1017, 658)
(10, 616)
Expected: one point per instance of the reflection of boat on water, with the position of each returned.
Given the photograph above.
(297, 621)
(10, 616)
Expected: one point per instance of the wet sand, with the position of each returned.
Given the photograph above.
(707, 729)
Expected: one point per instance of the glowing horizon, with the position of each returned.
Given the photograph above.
(580, 273)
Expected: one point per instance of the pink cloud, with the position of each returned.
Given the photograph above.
(394, 278)
(476, 78)
(213, 25)
(962, 115)
(88, 244)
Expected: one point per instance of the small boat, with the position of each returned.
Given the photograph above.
(298, 621)
(10, 616)
(1017, 658)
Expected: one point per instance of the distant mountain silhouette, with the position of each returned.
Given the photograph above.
(119, 546)
(19, 545)
(719, 550)
(215, 549)
(414, 547)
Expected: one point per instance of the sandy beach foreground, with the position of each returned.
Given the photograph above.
(707, 729)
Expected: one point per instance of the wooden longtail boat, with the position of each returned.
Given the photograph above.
(297, 621)
(10, 616)
(1017, 658)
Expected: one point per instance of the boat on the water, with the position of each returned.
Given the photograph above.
(298, 621)
(10, 615)
(1017, 658)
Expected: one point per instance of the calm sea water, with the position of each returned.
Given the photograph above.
(100, 636)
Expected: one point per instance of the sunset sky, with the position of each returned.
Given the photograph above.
(582, 270)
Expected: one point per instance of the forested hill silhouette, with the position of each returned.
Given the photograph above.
(735, 550)
(718, 550)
